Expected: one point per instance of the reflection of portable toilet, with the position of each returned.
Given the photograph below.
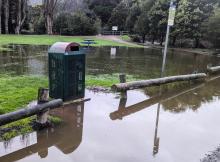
(113, 53)
(66, 71)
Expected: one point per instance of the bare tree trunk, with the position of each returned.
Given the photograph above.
(0, 16)
(153, 39)
(161, 40)
(17, 29)
(174, 41)
(21, 15)
(49, 6)
(6, 10)
(49, 24)
(196, 42)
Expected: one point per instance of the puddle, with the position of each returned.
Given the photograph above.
(178, 125)
(144, 63)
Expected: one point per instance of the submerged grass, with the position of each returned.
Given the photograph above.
(4, 49)
(55, 120)
(14, 129)
(23, 127)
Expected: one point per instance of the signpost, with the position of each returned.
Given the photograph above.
(114, 29)
(172, 12)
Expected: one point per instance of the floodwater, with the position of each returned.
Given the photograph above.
(175, 124)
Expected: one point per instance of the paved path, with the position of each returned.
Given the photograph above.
(118, 39)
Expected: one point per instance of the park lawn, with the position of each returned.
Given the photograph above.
(126, 38)
(49, 40)
(18, 91)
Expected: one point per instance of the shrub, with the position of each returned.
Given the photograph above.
(135, 38)
(39, 26)
(76, 24)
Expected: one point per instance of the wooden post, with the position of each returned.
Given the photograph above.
(122, 78)
(123, 99)
(43, 97)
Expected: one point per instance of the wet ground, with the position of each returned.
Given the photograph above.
(180, 124)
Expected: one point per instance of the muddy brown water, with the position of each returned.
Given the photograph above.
(179, 125)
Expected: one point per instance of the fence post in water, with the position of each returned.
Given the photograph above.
(122, 78)
(123, 99)
(43, 97)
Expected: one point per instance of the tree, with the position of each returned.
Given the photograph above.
(191, 14)
(49, 6)
(181, 22)
(21, 15)
(214, 29)
(134, 13)
(39, 25)
(77, 23)
(158, 16)
(36, 19)
(103, 8)
(6, 14)
(141, 26)
(119, 15)
(199, 12)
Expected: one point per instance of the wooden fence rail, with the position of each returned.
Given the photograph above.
(28, 112)
(156, 82)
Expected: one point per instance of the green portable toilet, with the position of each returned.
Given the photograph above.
(66, 71)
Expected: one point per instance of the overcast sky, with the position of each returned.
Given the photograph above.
(35, 2)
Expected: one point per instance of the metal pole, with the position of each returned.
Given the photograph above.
(165, 50)
(166, 45)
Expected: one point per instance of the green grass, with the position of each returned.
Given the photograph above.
(105, 80)
(49, 40)
(18, 91)
(126, 38)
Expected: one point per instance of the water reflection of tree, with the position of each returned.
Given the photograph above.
(16, 60)
(193, 100)
(145, 63)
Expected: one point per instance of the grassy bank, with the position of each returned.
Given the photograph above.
(18, 91)
(49, 40)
